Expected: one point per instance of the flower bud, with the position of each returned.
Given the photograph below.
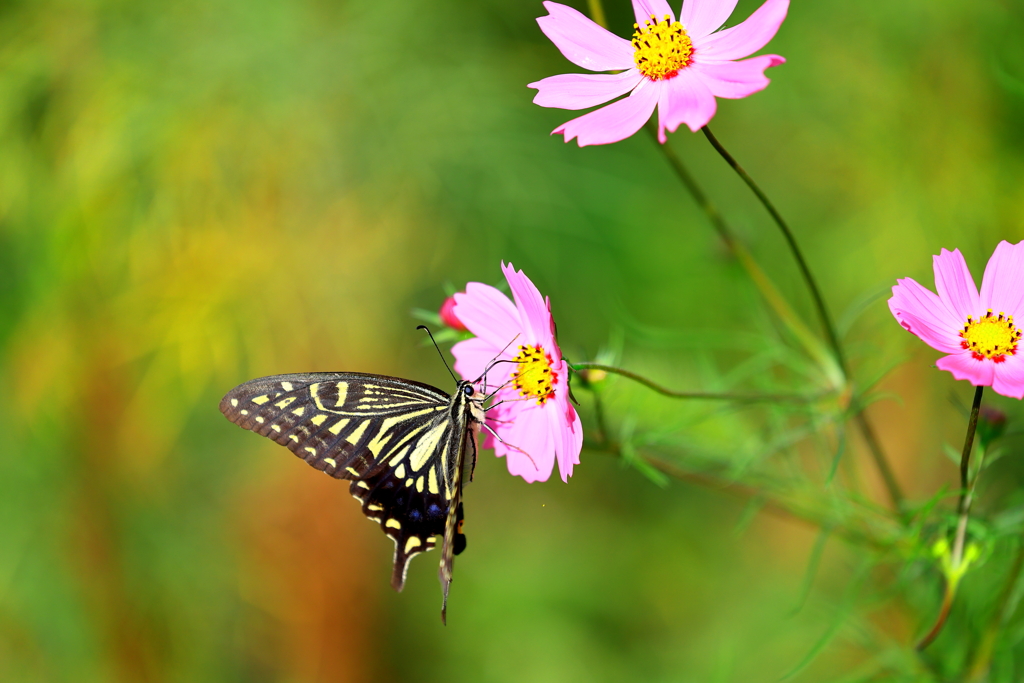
(448, 317)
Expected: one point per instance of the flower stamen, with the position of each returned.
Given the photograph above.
(990, 337)
(532, 377)
(662, 48)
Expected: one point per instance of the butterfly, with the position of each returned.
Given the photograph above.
(407, 447)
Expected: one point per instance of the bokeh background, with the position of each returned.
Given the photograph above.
(193, 194)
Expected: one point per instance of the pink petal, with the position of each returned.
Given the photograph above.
(488, 314)
(733, 80)
(954, 284)
(1002, 287)
(686, 100)
(701, 17)
(926, 315)
(1009, 377)
(964, 366)
(583, 42)
(472, 356)
(747, 38)
(613, 122)
(568, 434)
(534, 455)
(533, 312)
(645, 9)
(581, 91)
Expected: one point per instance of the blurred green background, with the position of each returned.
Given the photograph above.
(193, 194)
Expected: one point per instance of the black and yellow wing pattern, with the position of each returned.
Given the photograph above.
(404, 445)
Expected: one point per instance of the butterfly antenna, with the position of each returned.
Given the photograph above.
(494, 361)
(443, 359)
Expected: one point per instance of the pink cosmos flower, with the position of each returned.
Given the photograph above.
(976, 330)
(679, 66)
(515, 344)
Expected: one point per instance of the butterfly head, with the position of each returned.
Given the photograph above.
(467, 393)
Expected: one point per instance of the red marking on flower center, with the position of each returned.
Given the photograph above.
(533, 377)
(990, 337)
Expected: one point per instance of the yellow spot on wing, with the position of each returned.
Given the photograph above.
(393, 523)
(310, 450)
(353, 438)
(338, 426)
(363, 485)
(413, 542)
(400, 472)
(245, 412)
(378, 442)
(353, 471)
(275, 428)
(374, 508)
(299, 411)
(419, 483)
(432, 482)
(293, 438)
(234, 403)
(342, 393)
(331, 462)
(285, 402)
(399, 457)
(426, 446)
(384, 433)
(260, 400)
(319, 420)
(287, 386)
(259, 418)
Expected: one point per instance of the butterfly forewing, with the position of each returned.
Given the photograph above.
(400, 442)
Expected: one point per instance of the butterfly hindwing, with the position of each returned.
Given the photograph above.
(401, 443)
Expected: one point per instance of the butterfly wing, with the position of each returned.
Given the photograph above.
(393, 438)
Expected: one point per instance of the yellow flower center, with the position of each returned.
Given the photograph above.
(992, 337)
(662, 48)
(533, 377)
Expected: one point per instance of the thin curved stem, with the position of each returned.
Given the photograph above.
(870, 438)
(805, 271)
(966, 487)
(764, 285)
(654, 386)
(956, 570)
(773, 297)
(936, 629)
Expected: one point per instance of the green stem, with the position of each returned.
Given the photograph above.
(947, 603)
(874, 447)
(653, 386)
(963, 513)
(805, 271)
(764, 284)
(966, 488)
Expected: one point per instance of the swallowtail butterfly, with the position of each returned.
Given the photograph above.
(407, 447)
